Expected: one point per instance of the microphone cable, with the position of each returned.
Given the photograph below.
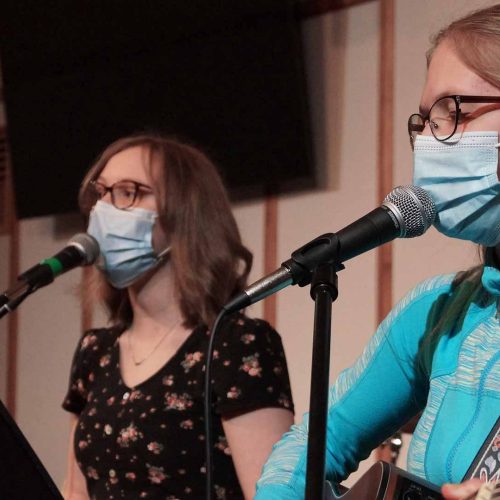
(208, 404)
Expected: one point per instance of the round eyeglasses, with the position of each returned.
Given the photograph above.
(123, 193)
(448, 115)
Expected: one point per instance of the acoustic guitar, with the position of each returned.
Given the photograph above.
(384, 481)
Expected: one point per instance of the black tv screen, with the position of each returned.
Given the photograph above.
(226, 75)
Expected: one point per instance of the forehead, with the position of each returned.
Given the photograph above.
(131, 163)
(448, 75)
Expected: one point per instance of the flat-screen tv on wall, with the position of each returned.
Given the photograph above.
(226, 75)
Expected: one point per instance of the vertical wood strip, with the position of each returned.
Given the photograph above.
(270, 252)
(385, 161)
(13, 319)
(385, 147)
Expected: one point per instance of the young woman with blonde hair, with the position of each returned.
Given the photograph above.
(438, 351)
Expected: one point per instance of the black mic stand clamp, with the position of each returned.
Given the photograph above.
(306, 259)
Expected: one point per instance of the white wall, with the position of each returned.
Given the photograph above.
(49, 328)
(342, 66)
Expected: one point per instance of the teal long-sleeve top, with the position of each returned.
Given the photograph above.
(460, 400)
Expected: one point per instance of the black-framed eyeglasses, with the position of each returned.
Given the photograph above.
(123, 193)
(447, 116)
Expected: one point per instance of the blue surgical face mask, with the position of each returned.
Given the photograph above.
(125, 241)
(462, 179)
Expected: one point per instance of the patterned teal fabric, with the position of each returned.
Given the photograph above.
(383, 389)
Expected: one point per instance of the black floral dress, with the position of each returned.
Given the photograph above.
(148, 441)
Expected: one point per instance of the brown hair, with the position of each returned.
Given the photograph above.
(210, 263)
(476, 41)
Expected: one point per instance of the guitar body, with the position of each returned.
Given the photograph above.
(384, 481)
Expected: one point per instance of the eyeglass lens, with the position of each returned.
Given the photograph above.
(123, 193)
(442, 120)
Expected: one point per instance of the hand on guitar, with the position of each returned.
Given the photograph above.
(461, 491)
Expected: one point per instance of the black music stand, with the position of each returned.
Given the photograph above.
(22, 474)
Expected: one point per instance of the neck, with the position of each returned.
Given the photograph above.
(154, 302)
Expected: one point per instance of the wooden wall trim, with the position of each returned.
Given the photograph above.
(384, 163)
(385, 147)
(270, 252)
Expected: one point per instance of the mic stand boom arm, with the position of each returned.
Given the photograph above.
(297, 270)
(374, 229)
(28, 282)
(16, 295)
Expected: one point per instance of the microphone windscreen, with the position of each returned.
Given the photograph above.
(87, 246)
(414, 208)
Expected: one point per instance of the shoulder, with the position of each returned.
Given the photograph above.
(425, 295)
(241, 328)
(241, 337)
(430, 287)
(416, 312)
(241, 322)
(94, 343)
(97, 339)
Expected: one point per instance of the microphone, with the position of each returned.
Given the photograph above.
(406, 212)
(81, 250)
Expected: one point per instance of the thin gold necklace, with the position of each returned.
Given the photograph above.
(129, 337)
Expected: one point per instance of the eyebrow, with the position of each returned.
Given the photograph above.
(424, 110)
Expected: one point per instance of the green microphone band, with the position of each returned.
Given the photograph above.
(54, 264)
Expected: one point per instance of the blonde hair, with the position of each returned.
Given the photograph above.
(476, 39)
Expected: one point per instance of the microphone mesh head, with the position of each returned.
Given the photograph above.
(87, 245)
(414, 209)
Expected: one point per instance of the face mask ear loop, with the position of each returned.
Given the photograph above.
(163, 253)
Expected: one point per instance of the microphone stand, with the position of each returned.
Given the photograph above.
(38, 276)
(315, 263)
(324, 291)
(13, 297)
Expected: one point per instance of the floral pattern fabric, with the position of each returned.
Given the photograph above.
(147, 441)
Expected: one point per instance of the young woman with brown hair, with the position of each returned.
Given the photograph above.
(171, 257)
